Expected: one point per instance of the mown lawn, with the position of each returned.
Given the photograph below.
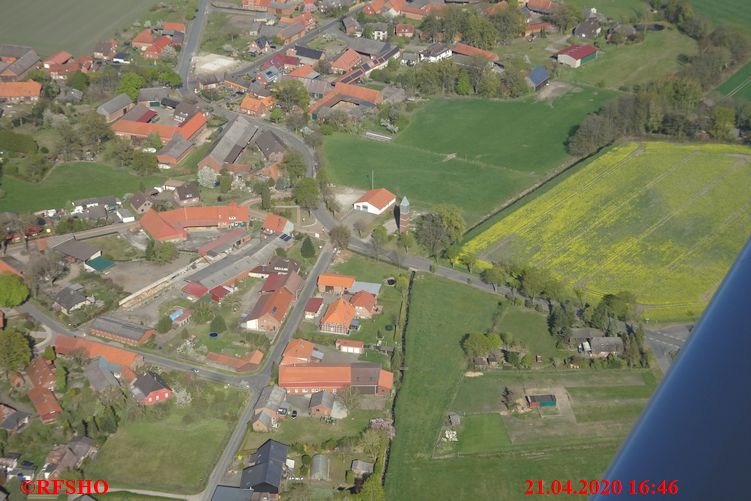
(165, 455)
(482, 433)
(473, 153)
(737, 12)
(530, 329)
(70, 182)
(73, 25)
(617, 9)
(738, 85)
(627, 65)
(663, 221)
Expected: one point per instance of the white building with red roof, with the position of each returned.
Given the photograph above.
(375, 201)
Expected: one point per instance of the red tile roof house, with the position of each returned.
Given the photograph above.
(468, 50)
(269, 311)
(16, 92)
(364, 303)
(346, 61)
(120, 330)
(172, 225)
(150, 389)
(375, 201)
(133, 129)
(154, 51)
(293, 282)
(338, 317)
(45, 403)
(576, 55)
(365, 378)
(61, 57)
(41, 373)
(350, 346)
(336, 284)
(404, 30)
(129, 361)
(298, 351)
(274, 224)
(143, 40)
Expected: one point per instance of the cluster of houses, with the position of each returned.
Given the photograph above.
(263, 476)
(106, 368)
(153, 41)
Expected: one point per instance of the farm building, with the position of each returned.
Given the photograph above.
(16, 92)
(321, 403)
(541, 400)
(116, 107)
(336, 284)
(365, 378)
(375, 201)
(601, 347)
(338, 317)
(350, 346)
(120, 330)
(576, 55)
(538, 78)
(300, 351)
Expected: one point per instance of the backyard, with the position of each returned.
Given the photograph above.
(633, 219)
(478, 159)
(69, 182)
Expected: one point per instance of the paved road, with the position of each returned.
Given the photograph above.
(258, 381)
(81, 235)
(190, 46)
(666, 341)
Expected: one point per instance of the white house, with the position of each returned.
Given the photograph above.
(435, 52)
(375, 201)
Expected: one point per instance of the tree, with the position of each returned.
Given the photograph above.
(225, 182)
(291, 93)
(372, 441)
(15, 351)
(495, 275)
(297, 120)
(164, 324)
(340, 236)
(218, 324)
(94, 130)
(566, 16)
(372, 490)
(379, 236)
(78, 81)
(293, 164)
(452, 220)
(153, 141)
(307, 250)
(508, 24)
(169, 77)
(432, 234)
(723, 122)
(121, 151)
(203, 310)
(476, 344)
(12, 290)
(359, 226)
(130, 84)
(349, 397)
(463, 85)
(470, 259)
(161, 252)
(307, 194)
(207, 177)
(49, 353)
(144, 163)
(276, 115)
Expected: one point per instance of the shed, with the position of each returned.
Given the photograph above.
(455, 419)
(319, 469)
(321, 403)
(361, 468)
(541, 400)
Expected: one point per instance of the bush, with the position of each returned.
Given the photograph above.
(164, 324)
(218, 324)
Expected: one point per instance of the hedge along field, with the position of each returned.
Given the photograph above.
(664, 221)
(473, 153)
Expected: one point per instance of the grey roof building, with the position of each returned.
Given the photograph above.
(267, 470)
(176, 147)
(146, 383)
(183, 111)
(152, 94)
(366, 46)
(120, 328)
(22, 60)
(308, 53)
(370, 287)
(361, 468)
(69, 299)
(219, 272)
(270, 145)
(589, 28)
(324, 398)
(613, 344)
(140, 201)
(77, 250)
(319, 468)
(233, 142)
(229, 493)
(115, 104)
(272, 398)
(14, 420)
(101, 374)
(187, 192)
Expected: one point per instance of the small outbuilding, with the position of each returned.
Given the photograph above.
(361, 468)
(541, 401)
(321, 404)
(319, 468)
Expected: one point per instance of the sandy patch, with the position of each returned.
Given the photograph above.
(213, 63)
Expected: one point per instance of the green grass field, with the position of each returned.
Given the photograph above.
(72, 25)
(736, 12)
(738, 85)
(155, 455)
(661, 220)
(469, 152)
(491, 467)
(617, 9)
(70, 182)
(631, 64)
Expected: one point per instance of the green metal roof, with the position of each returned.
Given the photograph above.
(99, 263)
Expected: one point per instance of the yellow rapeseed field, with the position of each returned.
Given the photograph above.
(662, 220)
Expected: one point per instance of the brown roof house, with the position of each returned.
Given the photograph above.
(321, 404)
(68, 457)
(41, 373)
(187, 194)
(269, 312)
(364, 303)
